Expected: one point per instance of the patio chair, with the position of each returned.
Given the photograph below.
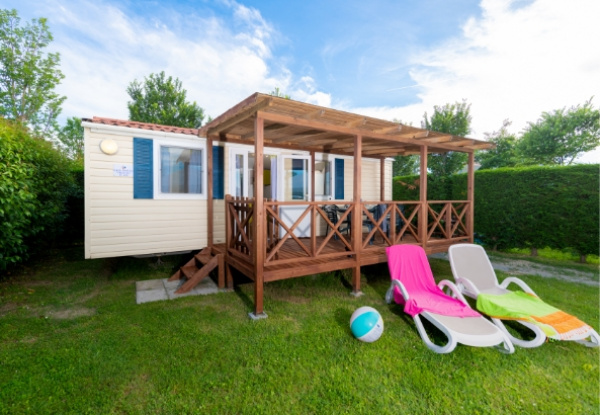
(377, 212)
(413, 285)
(333, 212)
(475, 278)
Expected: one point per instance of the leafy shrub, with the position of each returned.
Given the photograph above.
(34, 184)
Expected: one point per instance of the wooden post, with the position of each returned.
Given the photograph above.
(382, 179)
(209, 191)
(258, 244)
(471, 197)
(423, 225)
(312, 176)
(357, 215)
(313, 207)
(221, 271)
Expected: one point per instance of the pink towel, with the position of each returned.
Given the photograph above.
(408, 264)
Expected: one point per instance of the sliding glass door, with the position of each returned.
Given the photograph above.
(295, 187)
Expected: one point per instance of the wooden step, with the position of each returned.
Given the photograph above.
(197, 276)
(198, 267)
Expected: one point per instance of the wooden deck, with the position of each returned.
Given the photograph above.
(300, 265)
(266, 247)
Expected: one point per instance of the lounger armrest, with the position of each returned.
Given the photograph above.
(519, 282)
(401, 288)
(465, 284)
(454, 289)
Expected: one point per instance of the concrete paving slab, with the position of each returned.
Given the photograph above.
(206, 286)
(163, 289)
(169, 285)
(146, 296)
(149, 285)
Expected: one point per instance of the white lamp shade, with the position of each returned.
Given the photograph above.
(109, 147)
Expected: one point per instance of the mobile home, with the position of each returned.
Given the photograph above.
(255, 189)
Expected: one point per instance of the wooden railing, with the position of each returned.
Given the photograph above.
(307, 247)
(238, 226)
(388, 223)
(447, 220)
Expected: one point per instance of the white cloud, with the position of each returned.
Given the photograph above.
(306, 90)
(512, 62)
(103, 49)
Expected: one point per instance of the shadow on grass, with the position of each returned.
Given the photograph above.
(342, 317)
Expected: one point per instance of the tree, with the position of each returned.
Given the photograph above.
(70, 139)
(278, 93)
(560, 136)
(162, 100)
(452, 119)
(505, 153)
(28, 76)
(405, 165)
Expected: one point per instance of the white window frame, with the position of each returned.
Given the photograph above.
(186, 144)
(246, 150)
(329, 158)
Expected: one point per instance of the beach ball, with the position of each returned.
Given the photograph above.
(366, 324)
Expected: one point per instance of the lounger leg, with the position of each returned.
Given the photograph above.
(389, 295)
(594, 340)
(506, 346)
(539, 339)
(451, 345)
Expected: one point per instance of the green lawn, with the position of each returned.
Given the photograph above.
(72, 340)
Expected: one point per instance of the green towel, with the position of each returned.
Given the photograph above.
(518, 305)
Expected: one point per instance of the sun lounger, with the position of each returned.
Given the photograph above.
(475, 278)
(414, 287)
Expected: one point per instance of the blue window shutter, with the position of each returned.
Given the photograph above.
(218, 173)
(143, 169)
(339, 179)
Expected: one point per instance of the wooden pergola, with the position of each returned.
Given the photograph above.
(267, 121)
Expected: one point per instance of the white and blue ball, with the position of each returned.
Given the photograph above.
(366, 324)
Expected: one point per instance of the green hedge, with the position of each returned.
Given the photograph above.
(407, 188)
(35, 182)
(533, 207)
(73, 228)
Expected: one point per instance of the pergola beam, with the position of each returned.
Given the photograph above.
(239, 117)
(280, 118)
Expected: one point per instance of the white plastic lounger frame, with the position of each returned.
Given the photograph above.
(474, 274)
(471, 331)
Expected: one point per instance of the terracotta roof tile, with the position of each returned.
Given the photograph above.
(144, 126)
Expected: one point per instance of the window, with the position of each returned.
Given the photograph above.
(175, 169)
(179, 170)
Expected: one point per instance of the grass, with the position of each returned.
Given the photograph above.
(556, 254)
(72, 340)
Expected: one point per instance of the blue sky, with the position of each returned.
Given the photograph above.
(390, 59)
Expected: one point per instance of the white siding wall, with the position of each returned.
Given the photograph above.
(116, 224)
(388, 185)
(370, 179)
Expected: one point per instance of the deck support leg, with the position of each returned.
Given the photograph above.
(356, 292)
(471, 198)
(259, 220)
(221, 271)
(423, 212)
(357, 215)
(228, 276)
